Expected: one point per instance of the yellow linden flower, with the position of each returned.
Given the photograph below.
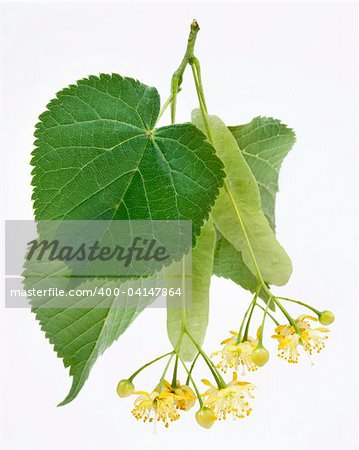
(288, 341)
(232, 399)
(184, 396)
(233, 355)
(309, 338)
(160, 406)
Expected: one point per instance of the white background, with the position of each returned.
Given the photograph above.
(296, 62)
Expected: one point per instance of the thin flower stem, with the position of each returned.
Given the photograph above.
(245, 336)
(260, 339)
(192, 367)
(268, 313)
(174, 377)
(217, 376)
(302, 304)
(148, 364)
(189, 377)
(287, 315)
(160, 384)
(175, 352)
(239, 336)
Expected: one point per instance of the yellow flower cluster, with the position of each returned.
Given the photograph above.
(223, 399)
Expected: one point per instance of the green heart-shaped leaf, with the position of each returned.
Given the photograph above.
(99, 156)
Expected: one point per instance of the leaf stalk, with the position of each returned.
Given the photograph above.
(177, 77)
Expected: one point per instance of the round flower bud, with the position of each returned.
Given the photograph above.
(326, 317)
(260, 356)
(125, 388)
(205, 417)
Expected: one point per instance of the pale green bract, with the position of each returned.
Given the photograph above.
(98, 156)
(242, 202)
(264, 143)
(193, 312)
